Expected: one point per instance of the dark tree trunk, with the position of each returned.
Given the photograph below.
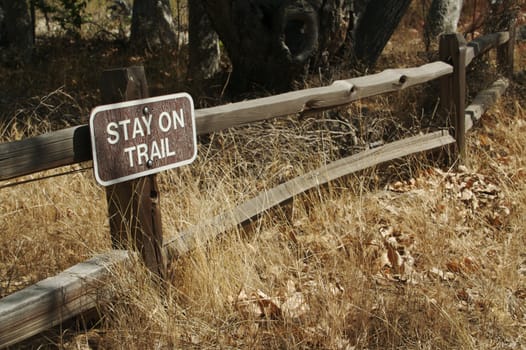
(503, 17)
(375, 27)
(273, 43)
(254, 36)
(152, 25)
(203, 43)
(16, 29)
(502, 14)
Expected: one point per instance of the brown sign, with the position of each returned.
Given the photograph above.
(138, 138)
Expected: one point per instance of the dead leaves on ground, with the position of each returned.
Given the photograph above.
(481, 204)
(395, 254)
(293, 304)
(288, 303)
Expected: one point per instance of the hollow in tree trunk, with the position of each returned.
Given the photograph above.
(273, 43)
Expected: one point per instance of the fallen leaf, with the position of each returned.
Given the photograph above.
(394, 259)
(454, 266)
(247, 305)
(295, 306)
(444, 276)
(257, 305)
(268, 306)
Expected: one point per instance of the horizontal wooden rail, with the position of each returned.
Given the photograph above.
(55, 299)
(484, 100)
(71, 146)
(341, 92)
(201, 233)
(482, 44)
(47, 151)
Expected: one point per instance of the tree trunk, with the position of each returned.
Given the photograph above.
(203, 43)
(442, 18)
(272, 43)
(252, 34)
(502, 14)
(152, 25)
(375, 27)
(16, 28)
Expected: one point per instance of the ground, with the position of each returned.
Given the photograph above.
(411, 254)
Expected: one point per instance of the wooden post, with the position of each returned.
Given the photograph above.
(133, 206)
(452, 50)
(505, 58)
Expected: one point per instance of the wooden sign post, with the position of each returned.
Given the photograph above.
(131, 141)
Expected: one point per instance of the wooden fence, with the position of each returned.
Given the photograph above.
(55, 299)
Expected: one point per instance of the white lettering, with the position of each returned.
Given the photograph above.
(137, 128)
(109, 130)
(142, 152)
(167, 146)
(130, 150)
(124, 124)
(178, 118)
(147, 123)
(165, 116)
(156, 153)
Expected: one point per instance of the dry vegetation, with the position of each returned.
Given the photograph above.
(409, 255)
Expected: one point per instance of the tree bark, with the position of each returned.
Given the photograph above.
(503, 17)
(16, 28)
(152, 25)
(273, 43)
(442, 18)
(375, 27)
(203, 43)
(502, 14)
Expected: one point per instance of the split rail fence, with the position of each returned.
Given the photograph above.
(74, 291)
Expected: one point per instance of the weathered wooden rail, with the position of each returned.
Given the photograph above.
(72, 292)
(56, 299)
(72, 145)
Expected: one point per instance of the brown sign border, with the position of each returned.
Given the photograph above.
(116, 106)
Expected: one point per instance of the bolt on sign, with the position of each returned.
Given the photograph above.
(133, 139)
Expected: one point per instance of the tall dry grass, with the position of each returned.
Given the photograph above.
(407, 255)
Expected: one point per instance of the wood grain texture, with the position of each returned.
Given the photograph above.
(506, 52)
(46, 151)
(339, 93)
(203, 232)
(484, 100)
(72, 145)
(459, 95)
(55, 299)
(453, 49)
(134, 206)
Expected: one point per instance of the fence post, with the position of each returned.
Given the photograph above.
(133, 206)
(452, 49)
(505, 52)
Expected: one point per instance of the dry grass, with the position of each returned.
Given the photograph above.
(403, 256)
